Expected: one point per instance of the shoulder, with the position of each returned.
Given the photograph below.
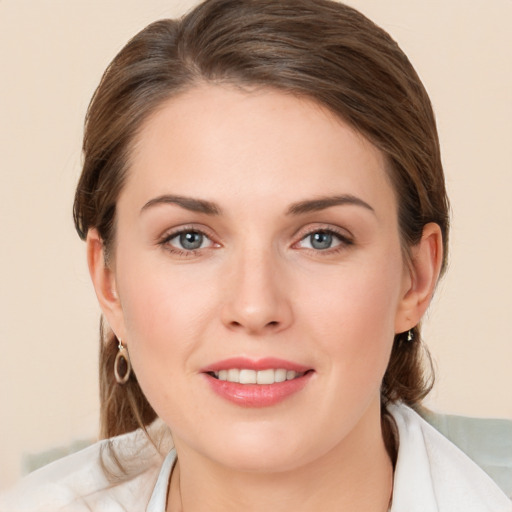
(116, 474)
(486, 441)
(433, 471)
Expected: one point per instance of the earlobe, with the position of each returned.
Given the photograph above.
(103, 279)
(423, 274)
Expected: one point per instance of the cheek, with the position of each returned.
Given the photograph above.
(165, 315)
(164, 321)
(353, 318)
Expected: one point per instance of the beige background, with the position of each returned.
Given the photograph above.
(52, 54)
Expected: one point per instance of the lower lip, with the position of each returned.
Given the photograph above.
(257, 395)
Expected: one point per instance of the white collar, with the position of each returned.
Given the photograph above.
(433, 475)
(158, 501)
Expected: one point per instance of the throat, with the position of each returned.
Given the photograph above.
(280, 492)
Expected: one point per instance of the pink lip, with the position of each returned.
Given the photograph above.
(256, 395)
(254, 364)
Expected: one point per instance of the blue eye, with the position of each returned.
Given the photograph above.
(322, 240)
(189, 240)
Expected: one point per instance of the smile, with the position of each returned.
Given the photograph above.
(247, 376)
(257, 383)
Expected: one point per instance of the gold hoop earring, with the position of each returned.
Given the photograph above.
(122, 365)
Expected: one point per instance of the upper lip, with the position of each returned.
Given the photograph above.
(265, 363)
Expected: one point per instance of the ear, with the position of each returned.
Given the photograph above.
(104, 282)
(420, 278)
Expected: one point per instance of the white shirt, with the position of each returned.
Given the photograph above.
(431, 475)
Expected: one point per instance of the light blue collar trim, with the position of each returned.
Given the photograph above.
(158, 501)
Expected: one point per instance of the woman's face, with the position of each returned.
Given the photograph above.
(257, 232)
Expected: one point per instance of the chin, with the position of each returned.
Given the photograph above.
(262, 460)
(260, 448)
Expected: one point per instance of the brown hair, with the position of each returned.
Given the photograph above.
(319, 49)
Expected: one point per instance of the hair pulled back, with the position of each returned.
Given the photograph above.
(319, 49)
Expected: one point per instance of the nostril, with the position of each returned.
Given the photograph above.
(270, 325)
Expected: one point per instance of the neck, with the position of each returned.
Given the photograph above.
(356, 475)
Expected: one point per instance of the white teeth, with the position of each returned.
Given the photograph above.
(233, 375)
(265, 377)
(290, 374)
(280, 375)
(245, 376)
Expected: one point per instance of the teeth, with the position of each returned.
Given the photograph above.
(290, 374)
(244, 376)
(248, 377)
(265, 377)
(280, 375)
(233, 375)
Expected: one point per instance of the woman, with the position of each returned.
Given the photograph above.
(266, 220)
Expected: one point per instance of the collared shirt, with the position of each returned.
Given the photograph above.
(431, 475)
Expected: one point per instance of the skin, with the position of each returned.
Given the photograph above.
(257, 287)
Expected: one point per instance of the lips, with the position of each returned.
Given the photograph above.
(259, 383)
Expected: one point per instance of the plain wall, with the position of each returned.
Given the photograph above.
(52, 55)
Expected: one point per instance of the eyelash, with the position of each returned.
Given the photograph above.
(166, 239)
(344, 241)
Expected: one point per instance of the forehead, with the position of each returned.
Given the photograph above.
(223, 143)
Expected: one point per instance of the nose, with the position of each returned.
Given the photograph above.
(257, 295)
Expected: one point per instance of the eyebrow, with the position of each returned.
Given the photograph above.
(189, 203)
(300, 208)
(323, 203)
